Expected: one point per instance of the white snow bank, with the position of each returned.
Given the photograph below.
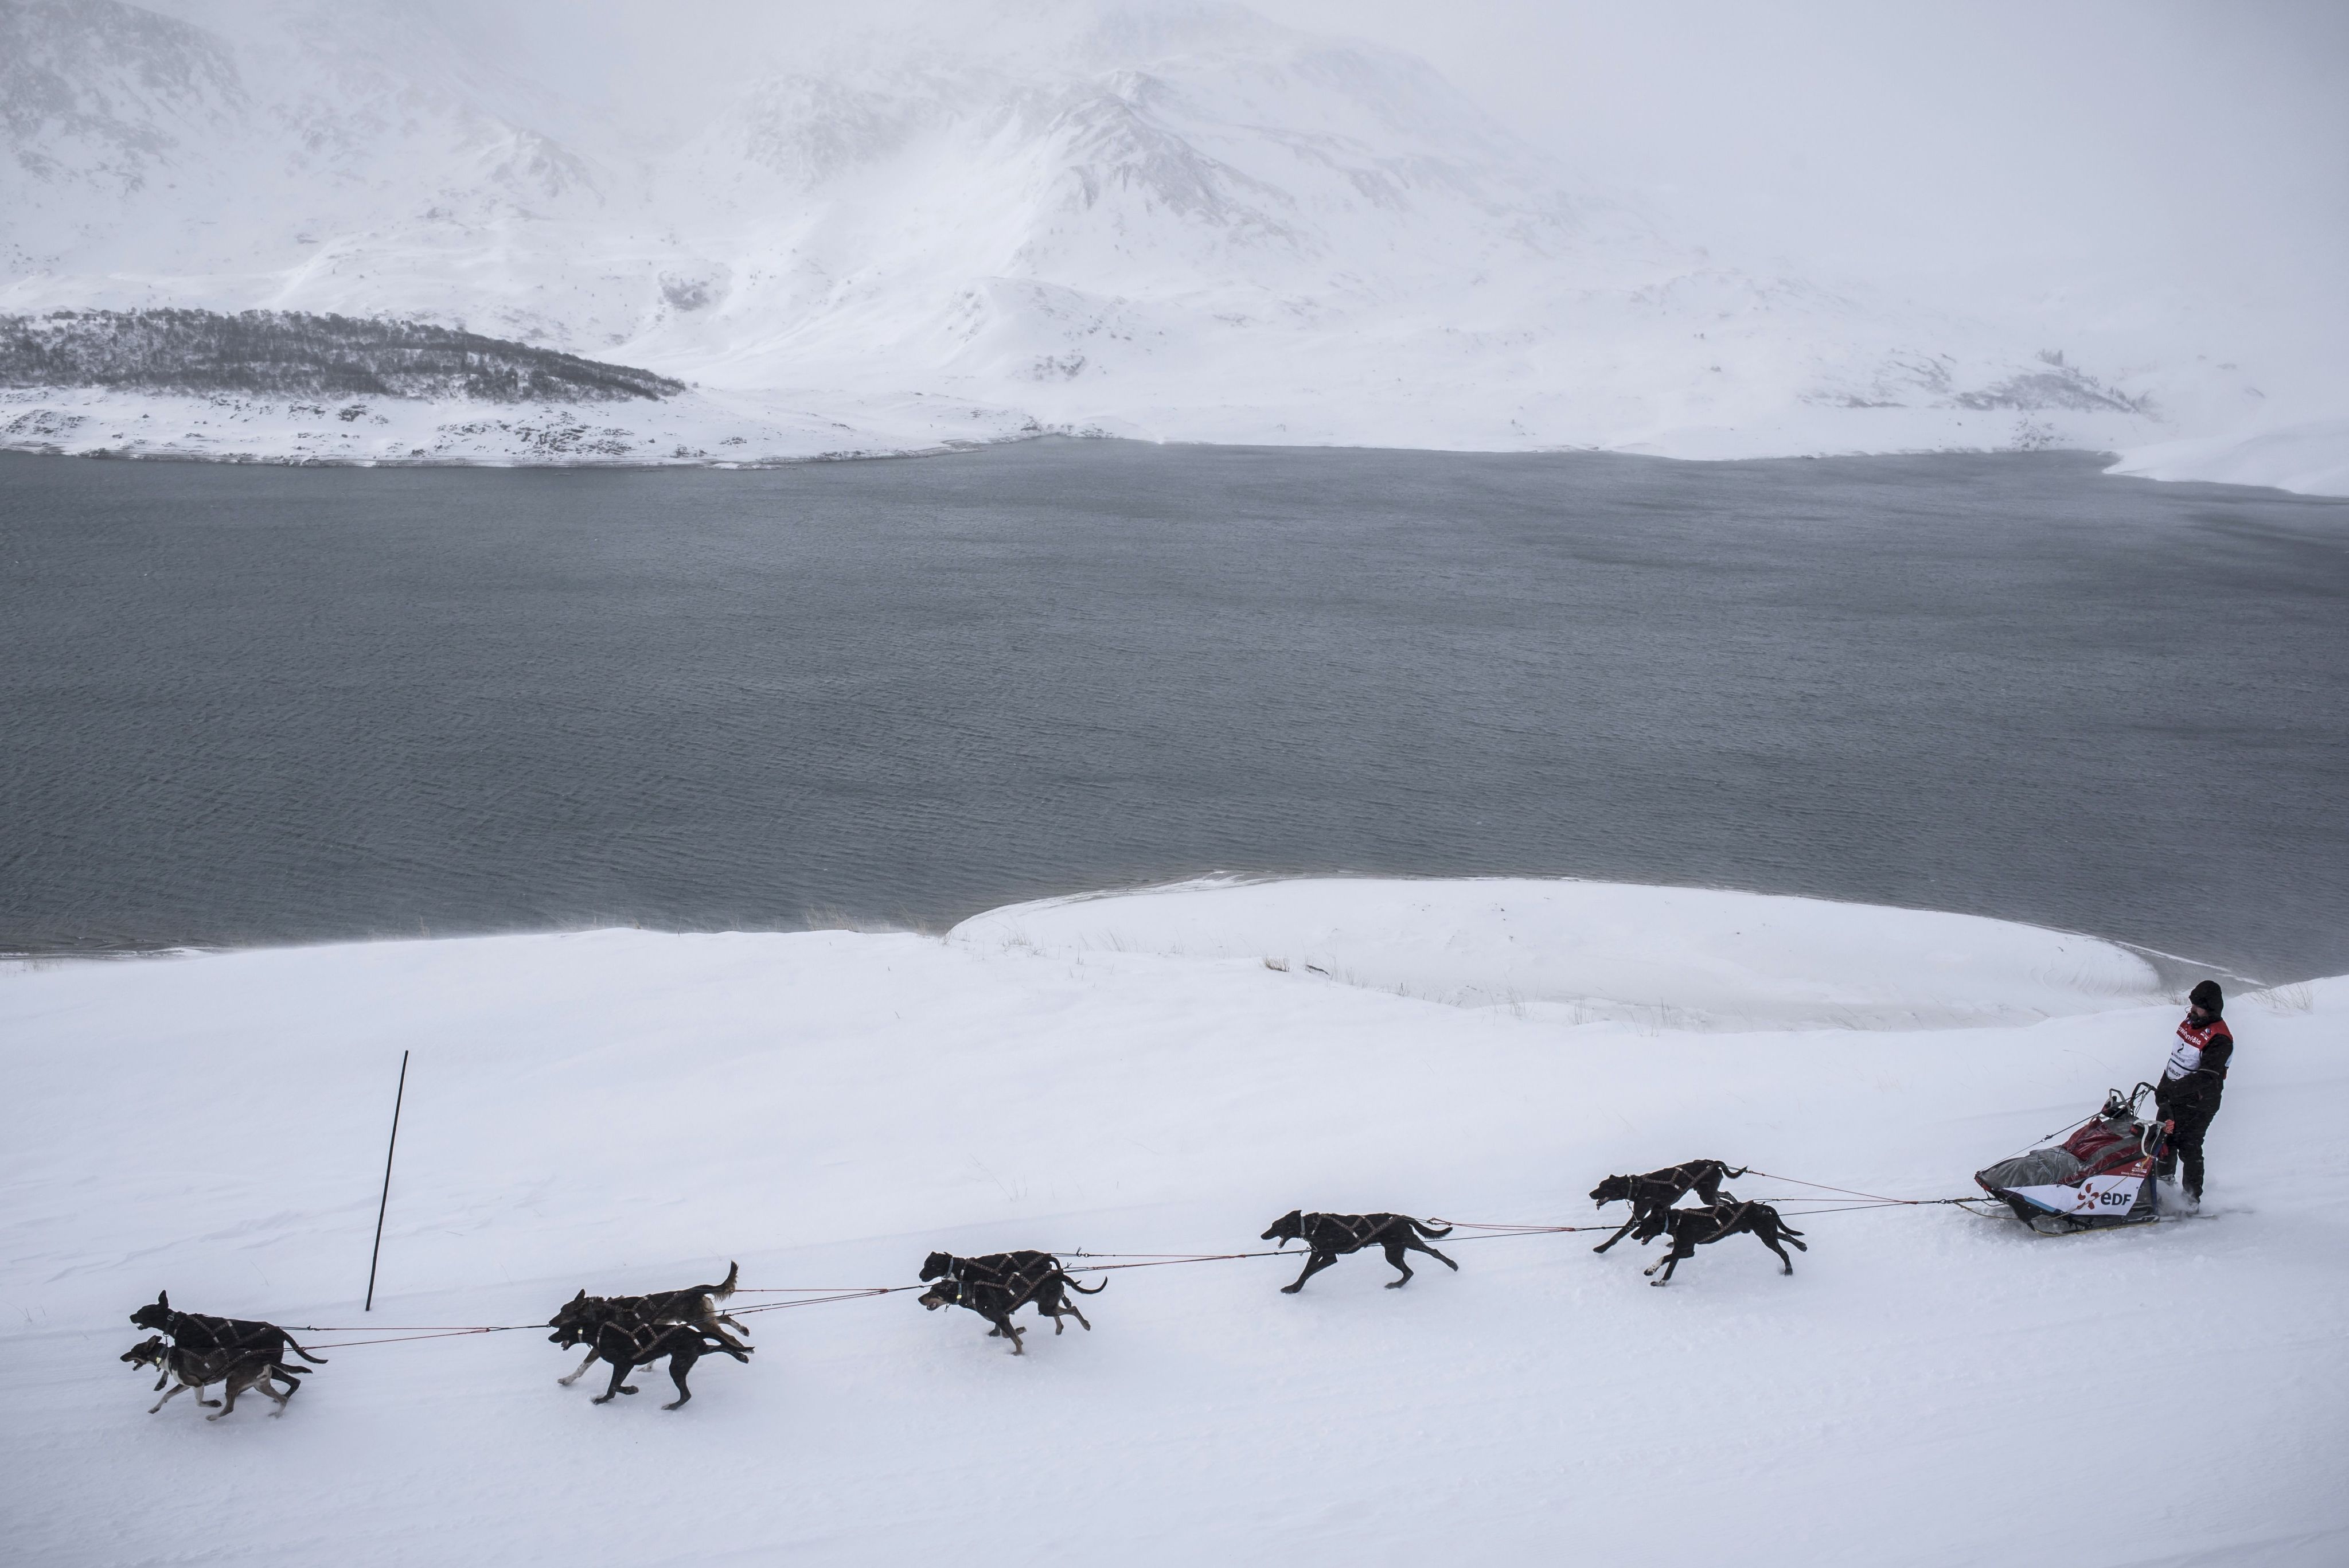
(1678, 958)
(626, 1110)
(721, 427)
(2312, 458)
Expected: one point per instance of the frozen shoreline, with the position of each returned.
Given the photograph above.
(703, 429)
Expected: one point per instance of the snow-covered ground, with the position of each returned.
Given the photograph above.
(2311, 457)
(623, 1109)
(1173, 222)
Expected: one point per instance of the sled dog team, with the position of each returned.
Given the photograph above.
(681, 1326)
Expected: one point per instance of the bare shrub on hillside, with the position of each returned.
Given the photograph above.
(288, 354)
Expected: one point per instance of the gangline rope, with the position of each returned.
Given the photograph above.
(820, 1295)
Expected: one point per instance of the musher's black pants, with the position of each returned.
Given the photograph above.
(2185, 1145)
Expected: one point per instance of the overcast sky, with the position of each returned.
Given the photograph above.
(2192, 156)
(2099, 162)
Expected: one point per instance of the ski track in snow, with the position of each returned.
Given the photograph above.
(626, 1110)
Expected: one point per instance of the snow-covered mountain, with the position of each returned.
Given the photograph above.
(1175, 221)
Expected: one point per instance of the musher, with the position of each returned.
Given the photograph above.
(2187, 1095)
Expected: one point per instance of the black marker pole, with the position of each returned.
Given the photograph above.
(398, 1095)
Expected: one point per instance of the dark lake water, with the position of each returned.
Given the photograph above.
(248, 704)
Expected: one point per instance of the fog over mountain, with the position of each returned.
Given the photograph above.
(1173, 220)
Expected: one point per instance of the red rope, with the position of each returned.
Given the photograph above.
(1163, 1259)
(1884, 1203)
(847, 1295)
(400, 1339)
(1847, 1191)
(405, 1327)
(1081, 1252)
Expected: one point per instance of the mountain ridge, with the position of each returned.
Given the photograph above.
(1177, 222)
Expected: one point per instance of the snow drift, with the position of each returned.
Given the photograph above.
(1169, 222)
(626, 1110)
(1677, 956)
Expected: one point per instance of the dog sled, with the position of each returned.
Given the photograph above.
(2100, 1176)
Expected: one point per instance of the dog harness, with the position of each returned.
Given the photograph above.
(963, 1273)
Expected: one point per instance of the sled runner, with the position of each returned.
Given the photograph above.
(2099, 1176)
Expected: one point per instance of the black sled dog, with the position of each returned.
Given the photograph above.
(1329, 1237)
(997, 1284)
(1690, 1228)
(1660, 1190)
(628, 1343)
(195, 1332)
(694, 1304)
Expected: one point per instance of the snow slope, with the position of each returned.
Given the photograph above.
(623, 1109)
(2311, 457)
(1166, 220)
